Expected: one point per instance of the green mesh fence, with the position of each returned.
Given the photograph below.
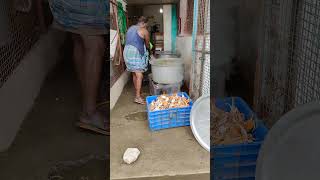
(122, 22)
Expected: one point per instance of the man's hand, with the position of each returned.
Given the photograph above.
(152, 57)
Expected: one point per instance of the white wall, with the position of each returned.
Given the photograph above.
(154, 10)
(19, 92)
(117, 88)
(167, 18)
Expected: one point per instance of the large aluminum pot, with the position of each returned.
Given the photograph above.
(167, 70)
(166, 54)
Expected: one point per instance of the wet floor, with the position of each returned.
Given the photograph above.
(168, 154)
(137, 116)
(48, 136)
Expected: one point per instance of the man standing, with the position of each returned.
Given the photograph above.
(136, 54)
(87, 21)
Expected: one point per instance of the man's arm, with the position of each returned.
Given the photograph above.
(147, 38)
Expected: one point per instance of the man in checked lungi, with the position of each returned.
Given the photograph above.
(87, 21)
(136, 54)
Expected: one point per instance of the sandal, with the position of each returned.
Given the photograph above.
(139, 100)
(95, 122)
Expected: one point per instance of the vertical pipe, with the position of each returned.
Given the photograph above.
(194, 34)
(173, 27)
(194, 28)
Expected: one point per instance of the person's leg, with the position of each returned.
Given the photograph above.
(139, 77)
(78, 58)
(92, 119)
(134, 77)
(94, 52)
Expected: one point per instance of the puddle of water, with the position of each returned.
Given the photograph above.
(137, 116)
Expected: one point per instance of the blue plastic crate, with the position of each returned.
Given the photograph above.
(237, 161)
(234, 172)
(169, 118)
(243, 178)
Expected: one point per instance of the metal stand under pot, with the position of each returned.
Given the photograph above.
(158, 89)
(167, 70)
(166, 54)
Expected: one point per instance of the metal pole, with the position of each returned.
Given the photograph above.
(194, 34)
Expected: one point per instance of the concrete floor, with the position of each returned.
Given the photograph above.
(48, 136)
(165, 154)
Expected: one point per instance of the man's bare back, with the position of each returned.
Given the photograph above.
(144, 34)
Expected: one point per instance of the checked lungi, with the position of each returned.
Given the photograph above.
(134, 61)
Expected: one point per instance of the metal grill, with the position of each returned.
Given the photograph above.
(307, 52)
(205, 79)
(18, 32)
(290, 63)
(200, 78)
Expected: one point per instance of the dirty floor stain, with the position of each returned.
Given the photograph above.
(137, 116)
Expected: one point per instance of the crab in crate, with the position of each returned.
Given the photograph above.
(230, 127)
(166, 101)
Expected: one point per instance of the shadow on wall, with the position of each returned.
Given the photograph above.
(236, 37)
(225, 40)
(250, 14)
